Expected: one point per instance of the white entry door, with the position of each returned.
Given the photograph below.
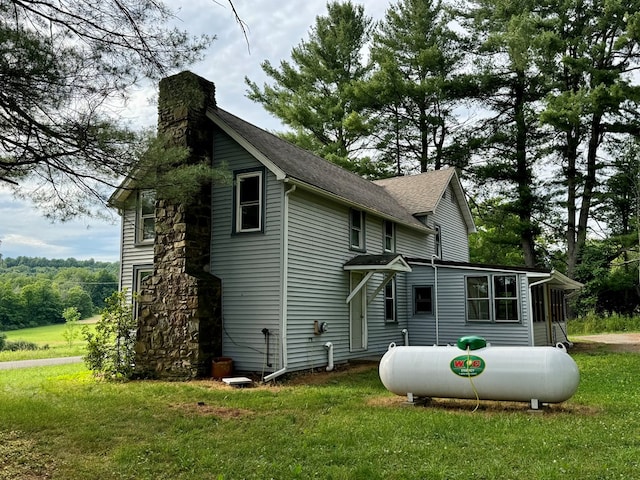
(358, 315)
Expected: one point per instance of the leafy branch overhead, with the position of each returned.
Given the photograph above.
(65, 67)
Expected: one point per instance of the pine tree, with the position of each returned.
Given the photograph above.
(319, 93)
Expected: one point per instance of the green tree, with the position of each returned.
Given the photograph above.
(619, 203)
(63, 65)
(71, 316)
(101, 286)
(77, 298)
(110, 348)
(610, 285)
(417, 55)
(41, 302)
(596, 50)
(497, 240)
(509, 72)
(11, 308)
(319, 94)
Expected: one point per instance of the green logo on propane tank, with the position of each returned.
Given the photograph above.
(467, 365)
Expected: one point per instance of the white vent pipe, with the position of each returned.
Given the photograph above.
(329, 347)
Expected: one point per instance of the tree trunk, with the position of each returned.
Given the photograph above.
(524, 177)
(571, 155)
(424, 140)
(589, 185)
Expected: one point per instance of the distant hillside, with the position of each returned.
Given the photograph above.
(35, 291)
(41, 262)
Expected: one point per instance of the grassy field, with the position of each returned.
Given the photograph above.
(50, 341)
(61, 423)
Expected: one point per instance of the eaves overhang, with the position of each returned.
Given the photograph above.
(247, 145)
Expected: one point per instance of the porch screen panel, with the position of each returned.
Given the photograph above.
(557, 305)
(537, 302)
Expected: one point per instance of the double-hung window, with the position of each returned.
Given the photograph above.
(357, 232)
(422, 300)
(492, 298)
(249, 201)
(438, 241)
(390, 301)
(505, 290)
(145, 216)
(140, 272)
(389, 241)
(478, 299)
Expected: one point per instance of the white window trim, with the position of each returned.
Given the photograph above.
(491, 298)
(361, 247)
(391, 237)
(140, 218)
(238, 205)
(138, 275)
(394, 300)
(511, 299)
(437, 240)
(415, 312)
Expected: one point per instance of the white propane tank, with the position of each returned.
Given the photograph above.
(527, 374)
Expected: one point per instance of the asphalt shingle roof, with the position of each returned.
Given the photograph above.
(419, 194)
(301, 165)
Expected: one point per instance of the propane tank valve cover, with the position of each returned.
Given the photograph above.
(471, 342)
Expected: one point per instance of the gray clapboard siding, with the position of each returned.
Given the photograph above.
(453, 233)
(451, 314)
(422, 327)
(248, 264)
(413, 244)
(132, 254)
(540, 333)
(318, 285)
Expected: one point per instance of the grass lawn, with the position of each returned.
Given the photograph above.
(61, 423)
(50, 339)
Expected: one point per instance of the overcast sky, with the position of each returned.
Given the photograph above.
(274, 27)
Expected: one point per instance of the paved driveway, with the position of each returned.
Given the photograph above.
(39, 363)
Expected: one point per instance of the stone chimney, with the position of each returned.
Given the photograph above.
(179, 319)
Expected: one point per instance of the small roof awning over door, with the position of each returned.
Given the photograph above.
(388, 264)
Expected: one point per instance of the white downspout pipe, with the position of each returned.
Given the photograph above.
(405, 334)
(329, 347)
(285, 285)
(435, 303)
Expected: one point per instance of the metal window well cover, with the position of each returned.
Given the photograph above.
(237, 381)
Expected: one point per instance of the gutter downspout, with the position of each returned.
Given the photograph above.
(121, 213)
(285, 285)
(435, 286)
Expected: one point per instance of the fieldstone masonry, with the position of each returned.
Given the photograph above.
(180, 325)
